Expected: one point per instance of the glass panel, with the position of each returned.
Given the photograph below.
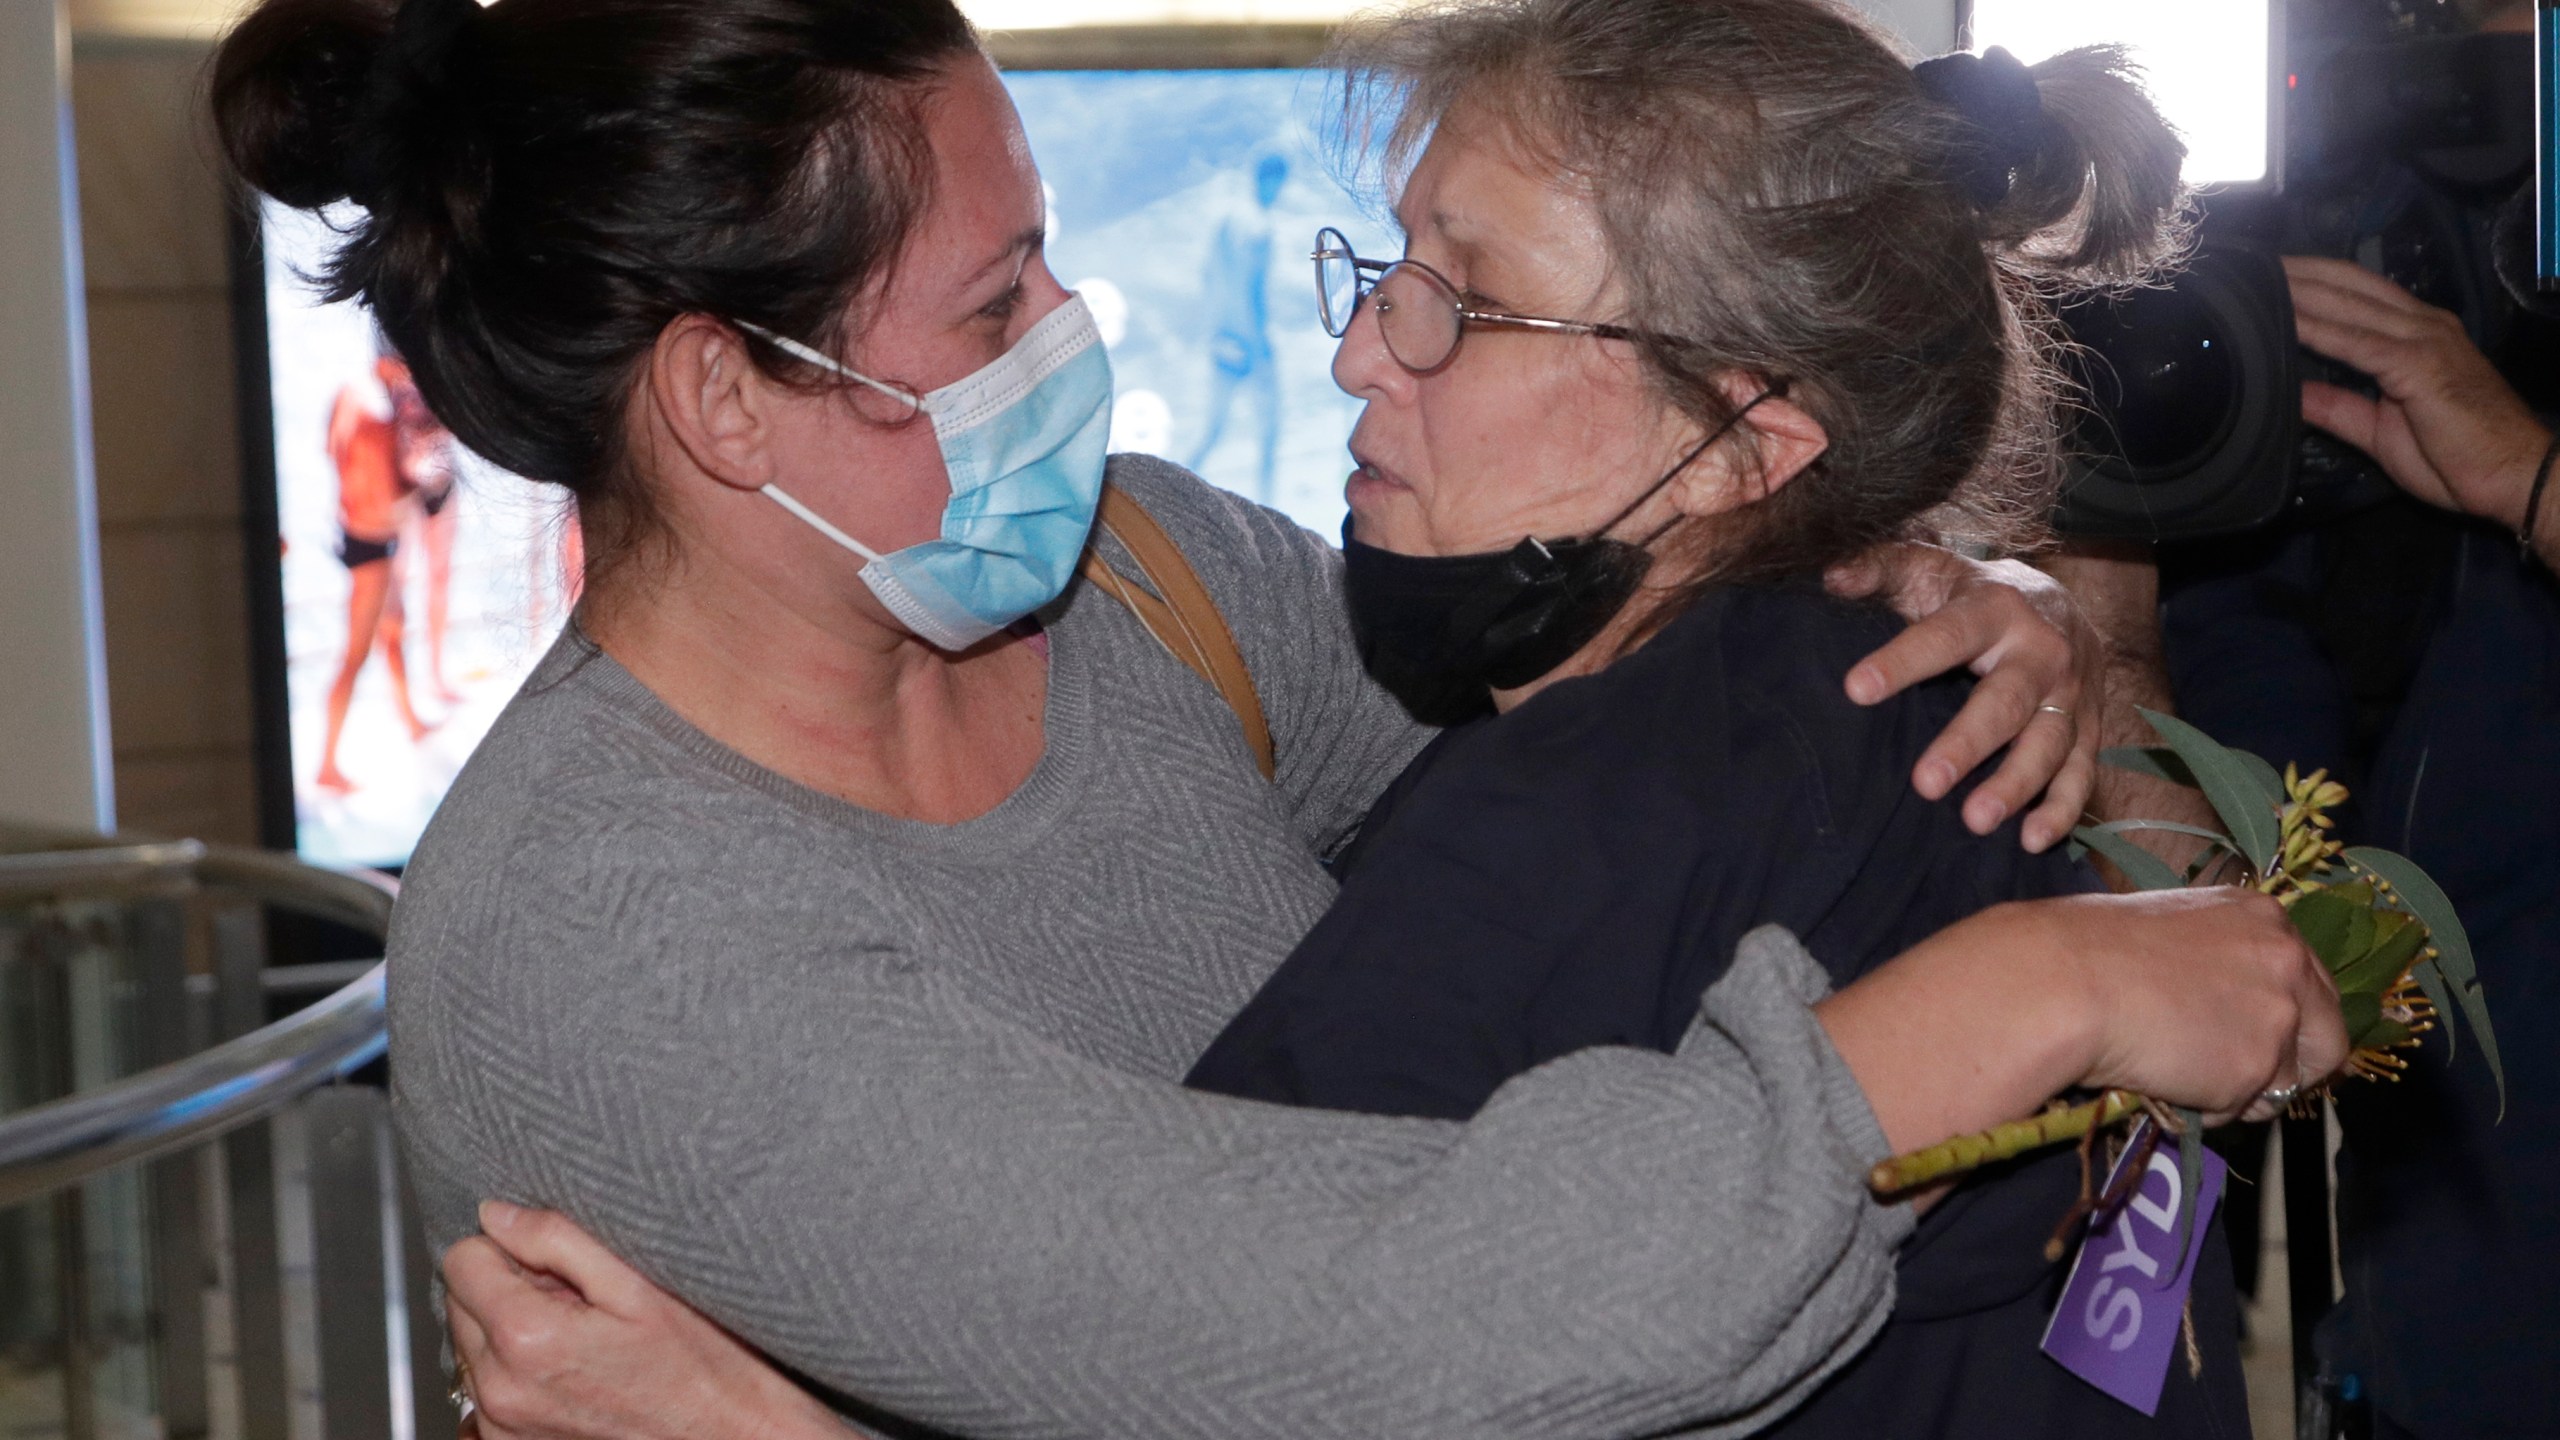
(35, 1066)
(31, 1329)
(91, 991)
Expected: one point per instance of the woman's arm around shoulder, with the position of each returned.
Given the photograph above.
(1364, 1277)
(840, 1157)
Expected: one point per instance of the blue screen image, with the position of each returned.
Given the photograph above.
(1183, 205)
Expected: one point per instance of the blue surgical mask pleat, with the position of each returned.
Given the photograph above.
(1024, 441)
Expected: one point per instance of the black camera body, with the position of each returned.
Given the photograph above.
(2405, 153)
(2192, 423)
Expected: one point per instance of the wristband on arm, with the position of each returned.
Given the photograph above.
(2533, 498)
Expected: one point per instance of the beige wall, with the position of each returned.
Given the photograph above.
(53, 754)
(173, 560)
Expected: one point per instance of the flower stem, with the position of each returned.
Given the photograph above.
(1971, 1152)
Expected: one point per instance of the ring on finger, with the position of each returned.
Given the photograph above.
(2062, 710)
(465, 1404)
(2280, 1099)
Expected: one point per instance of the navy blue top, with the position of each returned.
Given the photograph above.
(1579, 871)
(2418, 658)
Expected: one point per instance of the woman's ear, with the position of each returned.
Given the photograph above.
(1770, 446)
(714, 402)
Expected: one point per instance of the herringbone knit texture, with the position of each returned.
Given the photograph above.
(895, 1101)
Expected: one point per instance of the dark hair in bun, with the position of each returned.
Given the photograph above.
(545, 184)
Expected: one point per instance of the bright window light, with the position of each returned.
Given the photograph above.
(2205, 61)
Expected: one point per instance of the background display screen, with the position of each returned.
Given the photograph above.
(420, 584)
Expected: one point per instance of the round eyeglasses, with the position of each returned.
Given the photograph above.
(1420, 314)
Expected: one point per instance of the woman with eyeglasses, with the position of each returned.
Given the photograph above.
(1592, 547)
(827, 921)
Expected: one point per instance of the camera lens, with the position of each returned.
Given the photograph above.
(2193, 404)
(2159, 372)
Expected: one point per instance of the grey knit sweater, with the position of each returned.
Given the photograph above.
(896, 1101)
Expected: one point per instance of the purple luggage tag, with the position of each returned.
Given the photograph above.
(2119, 1318)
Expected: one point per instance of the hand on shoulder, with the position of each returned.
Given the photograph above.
(2041, 665)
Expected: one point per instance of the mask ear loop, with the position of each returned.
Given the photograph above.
(824, 526)
(1775, 390)
(823, 361)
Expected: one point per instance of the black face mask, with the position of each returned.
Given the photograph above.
(1441, 633)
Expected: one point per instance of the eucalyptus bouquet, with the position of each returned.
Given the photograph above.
(2383, 928)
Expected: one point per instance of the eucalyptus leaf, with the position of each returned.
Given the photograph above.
(2389, 925)
(2461, 972)
(2157, 761)
(2235, 789)
(2128, 827)
(2431, 981)
(2270, 784)
(2326, 921)
(2362, 1012)
(2162, 763)
(2387, 1033)
(2363, 931)
(2146, 870)
(2380, 968)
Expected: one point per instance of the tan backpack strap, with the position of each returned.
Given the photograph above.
(1186, 621)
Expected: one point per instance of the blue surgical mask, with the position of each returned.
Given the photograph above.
(1024, 441)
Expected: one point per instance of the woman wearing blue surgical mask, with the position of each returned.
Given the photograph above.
(826, 923)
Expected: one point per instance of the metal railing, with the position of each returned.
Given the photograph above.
(202, 1096)
(203, 1230)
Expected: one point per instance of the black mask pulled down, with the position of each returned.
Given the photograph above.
(1441, 633)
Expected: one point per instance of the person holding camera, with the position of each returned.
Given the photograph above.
(2412, 647)
(2447, 427)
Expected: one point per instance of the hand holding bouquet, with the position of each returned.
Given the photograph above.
(2381, 926)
